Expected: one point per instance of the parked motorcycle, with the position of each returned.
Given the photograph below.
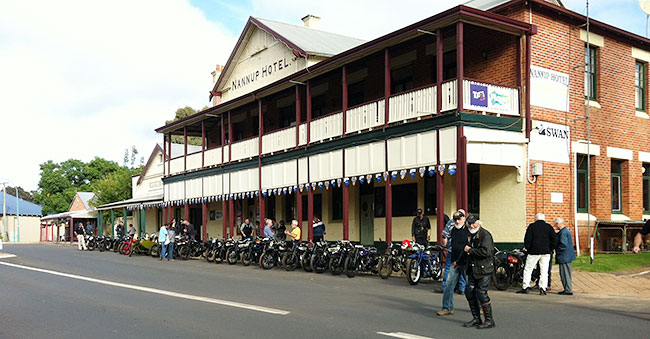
(509, 268)
(338, 256)
(91, 242)
(424, 263)
(291, 258)
(254, 251)
(361, 259)
(234, 253)
(305, 257)
(320, 255)
(272, 254)
(394, 260)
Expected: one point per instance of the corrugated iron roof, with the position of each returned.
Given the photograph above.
(26, 207)
(86, 197)
(312, 41)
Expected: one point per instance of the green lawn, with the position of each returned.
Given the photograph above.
(606, 263)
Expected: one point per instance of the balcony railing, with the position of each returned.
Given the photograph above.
(302, 134)
(449, 95)
(194, 161)
(485, 97)
(365, 116)
(177, 165)
(213, 157)
(412, 104)
(245, 149)
(326, 127)
(279, 140)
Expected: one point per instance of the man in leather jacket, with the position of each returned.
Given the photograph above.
(478, 256)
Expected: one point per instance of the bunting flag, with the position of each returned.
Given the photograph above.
(421, 170)
(362, 179)
(393, 175)
(432, 170)
(313, 185)
(412, 173)
(441, 169)
(338, 182)
(327, 185)
(346, 182)
(369, 178)
(402, 174)
(452, 169)
(300, 187)
(264, 193)
(386, 176)
(320, 185)
(378, 177)
(354, 181)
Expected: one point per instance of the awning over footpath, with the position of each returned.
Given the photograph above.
(134, 203)
(85, 214)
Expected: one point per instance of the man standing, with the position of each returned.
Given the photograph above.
(479, 257)
(246, 229)
(268, 230)
(539, 242)
(191, 231)
(446, 241)
(80, 231)
(131, 230)
(420, 228)
(319, 229)
(638, 239)
(565, 254)
(162, 239)
(295, 231)
(458, 240)
(90, 229)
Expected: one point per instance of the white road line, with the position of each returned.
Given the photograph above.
(7, 255)
(154, 290)
(638, 274)
(403, 335)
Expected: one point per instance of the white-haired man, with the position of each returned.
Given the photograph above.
(539, 243)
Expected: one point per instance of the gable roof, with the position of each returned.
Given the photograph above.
(303, 41)
(86, 197)
(486, 5)
(25, 207)
(155, 151)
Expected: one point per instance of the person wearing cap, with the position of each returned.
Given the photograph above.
(420, 228)
(458, 239)
(318, 229)
(478, 258)
(446, 241)
(539, 243)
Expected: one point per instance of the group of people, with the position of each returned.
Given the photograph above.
(279, 230)
(167, 236)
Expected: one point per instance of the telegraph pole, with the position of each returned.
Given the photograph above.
(4, 209)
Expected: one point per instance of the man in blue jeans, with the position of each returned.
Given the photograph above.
(458, 238)
(162, 238)
(446, 241)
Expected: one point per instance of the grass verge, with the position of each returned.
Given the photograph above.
(607, 263)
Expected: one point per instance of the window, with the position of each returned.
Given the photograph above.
(405, 200)
(290, 207)
(318, 207)
(430, 195)
(582, 201)
(590, 73)
(646, 188)
(616, 186)
(473, 189)
(639, 83)
(337, 203)
(269, 207)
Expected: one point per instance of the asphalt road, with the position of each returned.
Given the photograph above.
(124, 302)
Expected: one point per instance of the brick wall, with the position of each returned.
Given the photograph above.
(557, 46)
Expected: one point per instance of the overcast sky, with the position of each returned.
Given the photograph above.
(86, 78)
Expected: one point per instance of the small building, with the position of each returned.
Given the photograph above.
(21, 222)
(81, 210)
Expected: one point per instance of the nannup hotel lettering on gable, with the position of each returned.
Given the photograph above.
(279, 66)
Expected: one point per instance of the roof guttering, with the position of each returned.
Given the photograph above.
(451, 15)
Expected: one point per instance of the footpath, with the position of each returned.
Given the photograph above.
(629, 285)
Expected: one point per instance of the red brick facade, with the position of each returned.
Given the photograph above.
(557, 46)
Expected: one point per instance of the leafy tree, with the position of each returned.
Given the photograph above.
(115, 186)
(180, 114)
(22, 194)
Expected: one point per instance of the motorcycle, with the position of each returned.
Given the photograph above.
(509, 268)
(320, 256)
(233, 254)
(338, 256)
(101, 243)
(291, 258)
(424, 263)
(254, 252)
(394, 260)
(361, 259)
(91, 242)
(305, 257)
(272, 254)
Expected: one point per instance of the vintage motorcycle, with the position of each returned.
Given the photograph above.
(424, 263)
(509, 268)
(361, 259)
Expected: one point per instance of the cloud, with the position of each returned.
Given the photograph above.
(88, 78)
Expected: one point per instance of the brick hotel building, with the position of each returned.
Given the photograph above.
(481, 106)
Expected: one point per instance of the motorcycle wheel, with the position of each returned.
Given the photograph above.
(91, 245)
(349, 267)
(267, 261)
(318, 264)
(289, 261)
(413, 271)
(128, 250)
(231, 256)
(120, 248)
(155, 250)
(101, 247)
(501, 277)
(184, 252)
(212, 254)
(218, 259)
(385, 266)
(116, 247)
(335, 268)
(305, 262)
(246, 258)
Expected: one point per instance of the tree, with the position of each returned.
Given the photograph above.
(180, 114)
(22, 194)
(115, 186)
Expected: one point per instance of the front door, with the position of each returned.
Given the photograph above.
(196, 219)
(367, 218)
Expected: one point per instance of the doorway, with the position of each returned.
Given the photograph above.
(367, 219)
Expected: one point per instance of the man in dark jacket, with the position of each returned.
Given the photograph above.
(565, 254)
(539, 243)
(478, 257)
(420, 228)
(319, 229)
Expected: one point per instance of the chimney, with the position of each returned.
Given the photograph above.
(216, 96)
(311, 21)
